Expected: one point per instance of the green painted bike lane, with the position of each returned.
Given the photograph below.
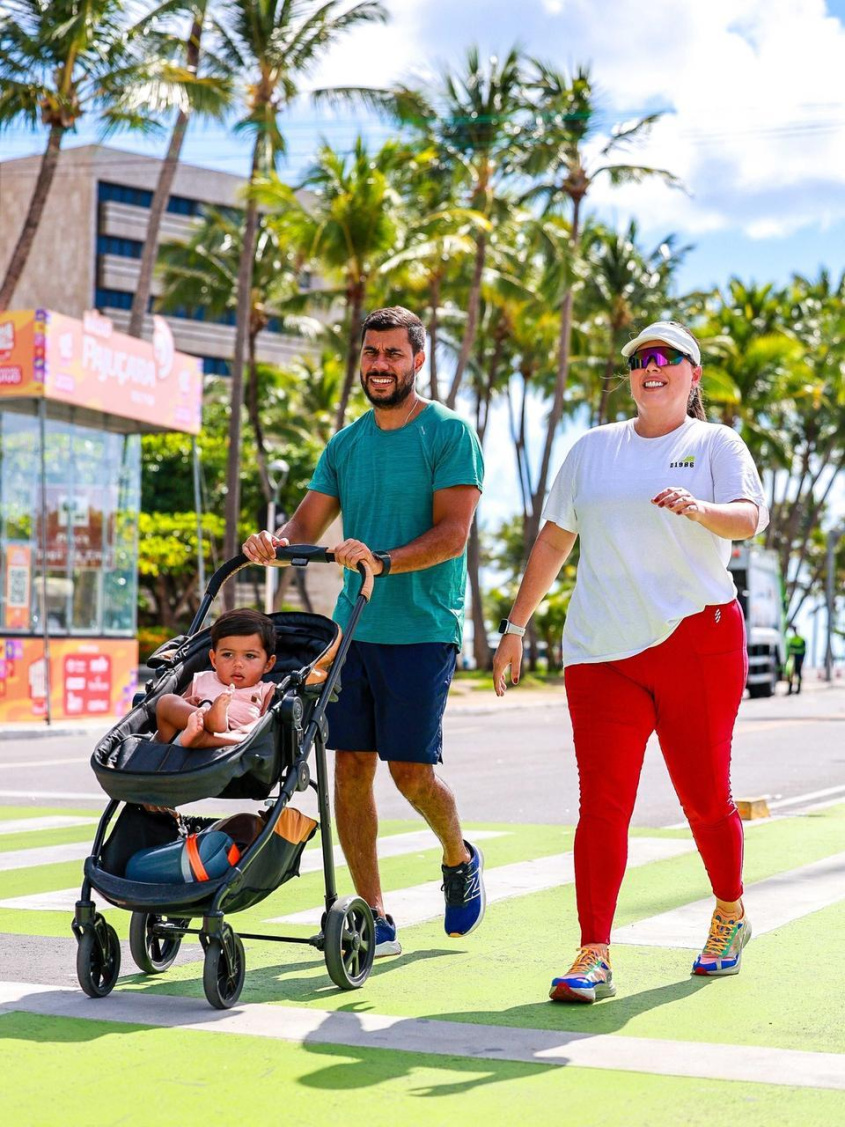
(498, 977)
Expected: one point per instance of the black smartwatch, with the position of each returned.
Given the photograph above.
(385, 562)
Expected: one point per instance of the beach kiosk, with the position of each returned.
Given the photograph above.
(75, 396)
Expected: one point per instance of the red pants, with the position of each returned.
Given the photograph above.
(688, 690)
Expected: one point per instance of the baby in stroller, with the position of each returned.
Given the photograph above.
(222, 705)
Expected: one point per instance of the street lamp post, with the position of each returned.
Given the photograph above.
(277, 474)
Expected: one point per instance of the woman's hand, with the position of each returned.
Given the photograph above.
(349, 553)
(261, 546)
(508, 655)
(681, 502)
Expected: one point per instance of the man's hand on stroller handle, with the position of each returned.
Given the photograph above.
(350, 553)
(261, 546)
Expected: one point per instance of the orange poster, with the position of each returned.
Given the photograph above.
(90, 678)
(88, 364)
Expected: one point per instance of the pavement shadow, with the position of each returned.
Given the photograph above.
(608, 1016)
(275, 984)
(354, 1067)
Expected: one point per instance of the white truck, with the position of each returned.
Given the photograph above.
(756, 573)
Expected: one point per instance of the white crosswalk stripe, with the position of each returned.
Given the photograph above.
(649, 1055)
(45, 822)
(46, 855)
(770, 904)
(64, 899)
(425, 901)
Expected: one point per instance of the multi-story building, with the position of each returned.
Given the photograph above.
(88, 247)
(86, 255)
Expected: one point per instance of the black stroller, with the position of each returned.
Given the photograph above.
(136, 770)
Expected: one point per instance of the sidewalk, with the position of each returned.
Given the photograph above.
(465, 697)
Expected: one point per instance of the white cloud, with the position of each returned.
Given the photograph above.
(757, 122)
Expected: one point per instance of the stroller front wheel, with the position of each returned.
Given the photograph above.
(98, 959)
(224, 970)
(350, 942)
(153, 953)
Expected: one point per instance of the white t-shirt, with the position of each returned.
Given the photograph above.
(643, 569)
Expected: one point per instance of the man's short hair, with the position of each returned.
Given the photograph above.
(242, 623)
(397, 317)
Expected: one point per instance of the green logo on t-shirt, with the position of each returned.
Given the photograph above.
(687, 463)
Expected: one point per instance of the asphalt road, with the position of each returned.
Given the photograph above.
(513, 761)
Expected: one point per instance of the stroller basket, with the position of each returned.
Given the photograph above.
(137, 828)
(131, 765)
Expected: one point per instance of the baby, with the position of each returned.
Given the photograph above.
(222, 706)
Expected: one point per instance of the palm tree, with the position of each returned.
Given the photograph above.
(274, 44)
(201, 84)
(60, 59)
(564, 113)
(200, 278)
(348, 227)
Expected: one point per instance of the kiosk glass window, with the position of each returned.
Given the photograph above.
(90, 528)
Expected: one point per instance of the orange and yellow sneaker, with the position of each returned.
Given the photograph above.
(589, 979)
(722, 952)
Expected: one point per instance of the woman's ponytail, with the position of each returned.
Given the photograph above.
(695, 404)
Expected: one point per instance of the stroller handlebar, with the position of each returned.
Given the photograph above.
(295, 555)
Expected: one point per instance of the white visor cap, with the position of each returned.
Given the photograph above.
(669, 332)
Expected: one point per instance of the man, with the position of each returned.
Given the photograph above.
(407, 477)
(796, 649)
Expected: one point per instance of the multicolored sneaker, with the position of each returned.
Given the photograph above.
(463, 887)
(589, 979)
(722, 952)
(386, 941)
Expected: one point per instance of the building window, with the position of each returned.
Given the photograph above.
(112, 299)
(214, 366)
(123, 248)
(122, 193)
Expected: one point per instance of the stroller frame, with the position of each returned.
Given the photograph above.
(347, 934)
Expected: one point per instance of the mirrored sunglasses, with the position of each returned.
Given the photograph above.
(662, 357)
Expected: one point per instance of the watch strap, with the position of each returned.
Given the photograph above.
(385, 562)
(508, 627)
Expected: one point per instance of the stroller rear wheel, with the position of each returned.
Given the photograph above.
(98, 959)
(224, 969)
(350, 942)
(153, 953)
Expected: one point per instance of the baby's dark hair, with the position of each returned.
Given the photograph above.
(239, 623)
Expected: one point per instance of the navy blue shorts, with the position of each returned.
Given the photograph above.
(392, 700)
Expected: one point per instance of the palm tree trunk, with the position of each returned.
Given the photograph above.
(472, 320)
(160, 198)
(20, 254)
(353, 350)
(605, 389)
(255, 420)
(564, 344)
(162, 194)
(433, 326)
(233, 461)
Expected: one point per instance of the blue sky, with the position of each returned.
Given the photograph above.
(752, 89)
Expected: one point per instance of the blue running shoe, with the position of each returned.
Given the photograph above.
(722, 952)
(386, 941)
(589, 979)
(463, 887)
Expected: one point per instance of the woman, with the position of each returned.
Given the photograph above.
(654, 638)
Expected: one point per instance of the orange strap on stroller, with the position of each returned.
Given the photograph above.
(194, 859)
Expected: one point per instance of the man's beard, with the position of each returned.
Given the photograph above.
(399, 394)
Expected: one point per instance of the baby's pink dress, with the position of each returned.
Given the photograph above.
(247, 704)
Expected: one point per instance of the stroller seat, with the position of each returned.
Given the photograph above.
(132, 766)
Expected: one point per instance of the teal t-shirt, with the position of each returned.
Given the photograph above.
(385, 481)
